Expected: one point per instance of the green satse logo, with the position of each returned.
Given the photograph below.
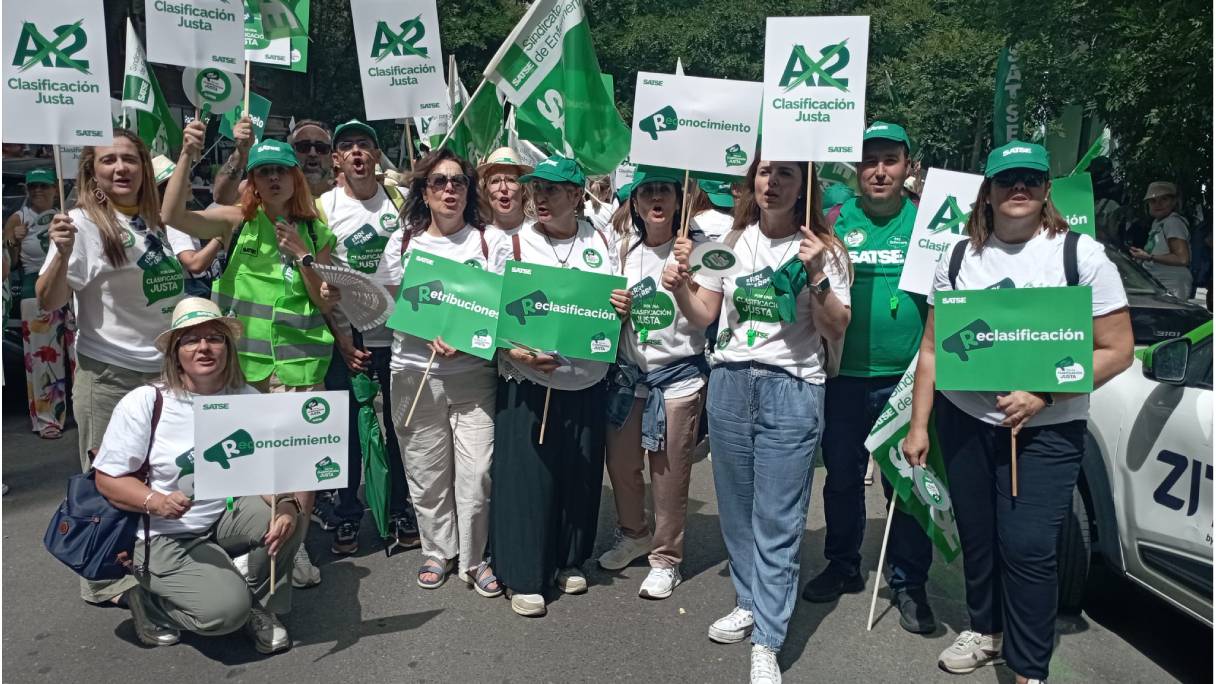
(388, 42)
(1068, 370)
(238, 444)
(600, 344)
(388, 222)
(968, 339)
(723, 338)
(423, 293)
(718, 259)
(527, 306)
(213, 85)
(472, 262)
(663, 120)
(855, 237)
(482, 339)
(735, 156)
(949, 217)
(315, 410)
(327, 469)
(931, 489)
(800, 69)
(592, 258)
(34, 48)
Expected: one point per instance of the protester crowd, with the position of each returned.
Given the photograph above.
(170, 303)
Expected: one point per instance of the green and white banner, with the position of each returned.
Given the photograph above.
(699, 124)
(259, 112)
(548, 69)
(444, 298)
(815, 88)
(261, 444)
(136, 82)
(1007, 98)
(1004, 338)
(922, 490)
(400, 58)
(1073, 197)
(941, 221)
(56, 73)
(196, 33)
(560, 309)
(276, 33)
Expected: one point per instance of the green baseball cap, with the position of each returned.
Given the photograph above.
(1017, 155)
(271, 153)
(623, 192)
(43, 176)
(719, 193)
(881, 130)
(558, 169)
(655, 176)
(356, 126)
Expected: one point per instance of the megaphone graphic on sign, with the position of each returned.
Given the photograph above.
(527, 306)
(663, 120)
(968, 339)
(235, 445)
(421, 293)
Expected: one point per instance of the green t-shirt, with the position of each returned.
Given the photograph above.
(885, 330)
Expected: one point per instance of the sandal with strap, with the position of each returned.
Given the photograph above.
(483, 581)
(50, 432)
(432, 566)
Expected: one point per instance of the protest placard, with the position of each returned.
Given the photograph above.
(444, 298)
(1004, 338)
(815, 88)
(283, 43)
(1073, 197)
(212, 90)
(941, 221)
(196, 33)
(56, 73)
(697, 124)
(259, 112)
(256, 444)
(400, 58)
(560, 309)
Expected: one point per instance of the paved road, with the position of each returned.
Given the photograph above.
(370, 622)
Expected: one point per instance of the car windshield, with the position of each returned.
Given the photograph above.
(1136, 280)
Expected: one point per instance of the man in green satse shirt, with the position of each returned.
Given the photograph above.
(882, 339)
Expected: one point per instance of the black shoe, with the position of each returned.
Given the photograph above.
(915, 615)
(346, 539)
(323, 513)
(405, 528)
(830, 584)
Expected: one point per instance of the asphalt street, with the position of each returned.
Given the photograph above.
(370, 622)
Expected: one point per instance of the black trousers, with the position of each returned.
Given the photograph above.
(1009, 545)
(545, 499)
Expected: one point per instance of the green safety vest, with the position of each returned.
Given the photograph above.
(285, 333)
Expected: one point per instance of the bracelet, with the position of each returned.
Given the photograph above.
(147, 499)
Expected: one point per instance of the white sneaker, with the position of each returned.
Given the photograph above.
(304, 574)
(242, 564)
(625, 550)
(572, 581)
(764, 666)
(660, 583)
(528, 605)
(269, 635)
(732, 628)
(969, 652)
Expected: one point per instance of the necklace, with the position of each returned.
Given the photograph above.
(751, 326)
(573, 240)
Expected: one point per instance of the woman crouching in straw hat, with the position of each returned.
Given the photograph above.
(191, 583)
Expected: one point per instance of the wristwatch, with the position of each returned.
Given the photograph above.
(306, 261)
(821, 287)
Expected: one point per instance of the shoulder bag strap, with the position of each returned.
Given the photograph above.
(732, 237)
(485, 248)
(956, 261)
(1072, 274)
(157, 407)
(515, 246)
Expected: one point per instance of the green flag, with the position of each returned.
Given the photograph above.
(280, 20)
(1007, 100)
(159, 128)
(1100, 148)
(548, 69)
(479, 130)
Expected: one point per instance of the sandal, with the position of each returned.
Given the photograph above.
(50, 432)
(433, 566)
(483, 581)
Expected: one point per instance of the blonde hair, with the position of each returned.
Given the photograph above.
(96, 209)
(173, 376)
(980, 223)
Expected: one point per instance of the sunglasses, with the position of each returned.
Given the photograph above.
(1025, 177)
(304, 146)
(438, 181)
(362, 143)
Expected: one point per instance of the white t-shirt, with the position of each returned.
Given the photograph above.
(749, 308)
(588, 250)
(36, 243)
(126, 443)
(363, 229)
(506, 231)
(1038, 262)
(668, 335)
(711, 223)
(1175, 278)
(182, 242)
(120, 311)
(411, 353)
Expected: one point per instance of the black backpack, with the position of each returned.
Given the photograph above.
(1071, 275)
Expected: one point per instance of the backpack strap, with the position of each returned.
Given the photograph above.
(405, 240)
(956, 261)
(485, 248)
(394, 196)
(1072, 274)
(732, 238)
(515, 247)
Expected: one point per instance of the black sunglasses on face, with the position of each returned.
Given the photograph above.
(1028, 178)
(438, 181)
(304, 146)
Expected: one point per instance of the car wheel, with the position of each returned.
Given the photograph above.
(1073, 553)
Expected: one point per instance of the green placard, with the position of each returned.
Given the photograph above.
(444, 298)
(1031, 339)
(1074, 199)
(259, 113)
(560, 309)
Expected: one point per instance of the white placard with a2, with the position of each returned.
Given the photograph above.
(941, 221)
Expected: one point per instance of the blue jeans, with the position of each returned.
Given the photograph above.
(853, 406)
(764, 425)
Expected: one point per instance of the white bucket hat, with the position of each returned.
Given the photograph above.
(192, 311)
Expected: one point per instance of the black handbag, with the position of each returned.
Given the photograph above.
(89, 534)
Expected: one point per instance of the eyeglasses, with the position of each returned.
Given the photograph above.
(509, 181)
(191, 342)
(1026, 177)
(438, 181)
(303, 146)
(362, 143)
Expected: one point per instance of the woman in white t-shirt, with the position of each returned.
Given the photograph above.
(712, 208)
(47, 336)
(187, 577)
(1016, 239)
(778, 314)
(448, 444)
(1167, 253)
(657, 393)
(500, 194)
(547, 496)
